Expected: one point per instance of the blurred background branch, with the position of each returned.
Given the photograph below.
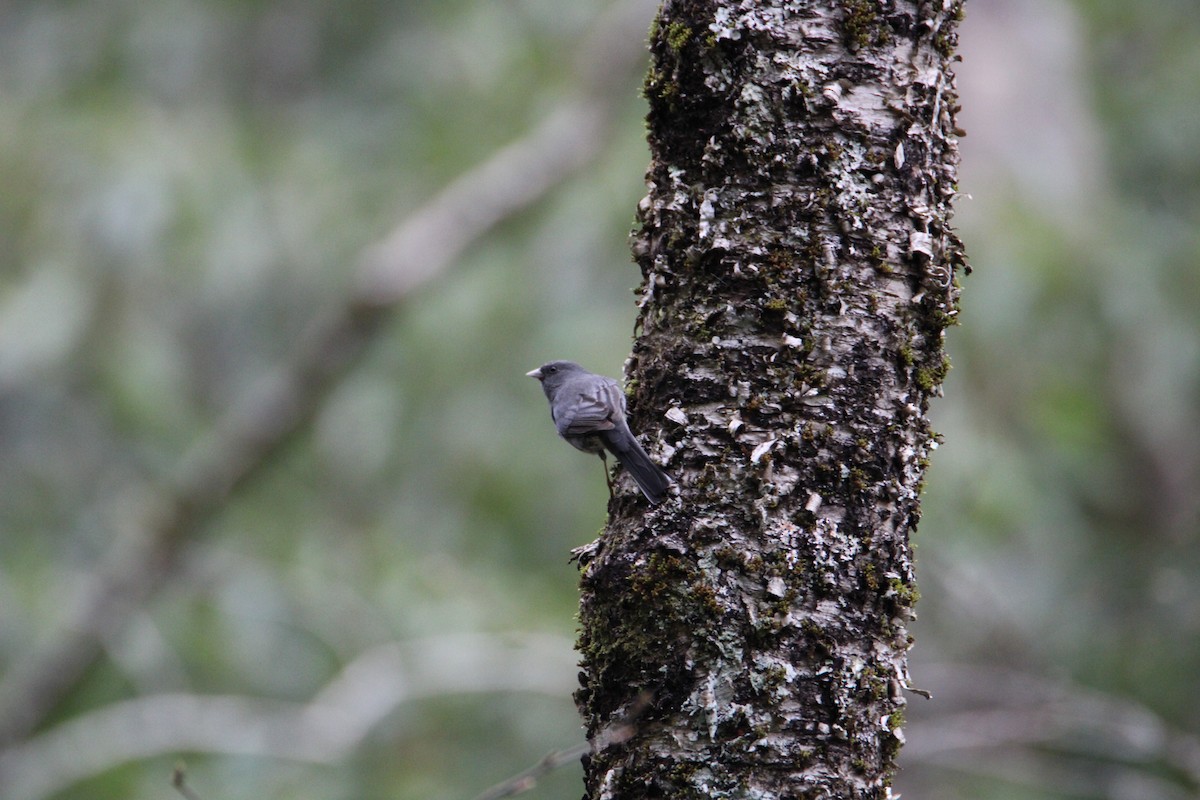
(325, 730)
(286, 401)
(988, 712)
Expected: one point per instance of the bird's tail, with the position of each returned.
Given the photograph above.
(650, 478)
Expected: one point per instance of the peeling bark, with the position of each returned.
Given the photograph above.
(799, 275)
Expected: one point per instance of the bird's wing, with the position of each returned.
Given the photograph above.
(598, 406)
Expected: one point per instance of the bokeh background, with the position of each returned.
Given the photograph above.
(183, 184)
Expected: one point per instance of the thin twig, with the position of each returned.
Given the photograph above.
(243, 442)
(179, 781)
(524, 781)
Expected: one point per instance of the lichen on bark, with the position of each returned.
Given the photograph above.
(799, 273)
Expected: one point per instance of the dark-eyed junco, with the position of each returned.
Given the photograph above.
(589, 412)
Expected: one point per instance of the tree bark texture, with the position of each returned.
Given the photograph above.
(799, 272)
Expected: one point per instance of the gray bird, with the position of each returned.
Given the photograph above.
(589, 412)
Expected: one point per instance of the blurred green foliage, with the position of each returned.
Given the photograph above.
(186, 183)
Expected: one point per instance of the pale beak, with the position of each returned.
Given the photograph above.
(535, 373)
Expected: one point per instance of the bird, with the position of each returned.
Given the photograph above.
(589, 412)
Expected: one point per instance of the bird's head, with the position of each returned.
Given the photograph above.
(555, 372)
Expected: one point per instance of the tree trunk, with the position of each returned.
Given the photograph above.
(799, 274)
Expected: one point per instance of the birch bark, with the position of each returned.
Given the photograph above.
(799, 273)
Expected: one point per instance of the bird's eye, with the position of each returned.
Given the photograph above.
(551, 369)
